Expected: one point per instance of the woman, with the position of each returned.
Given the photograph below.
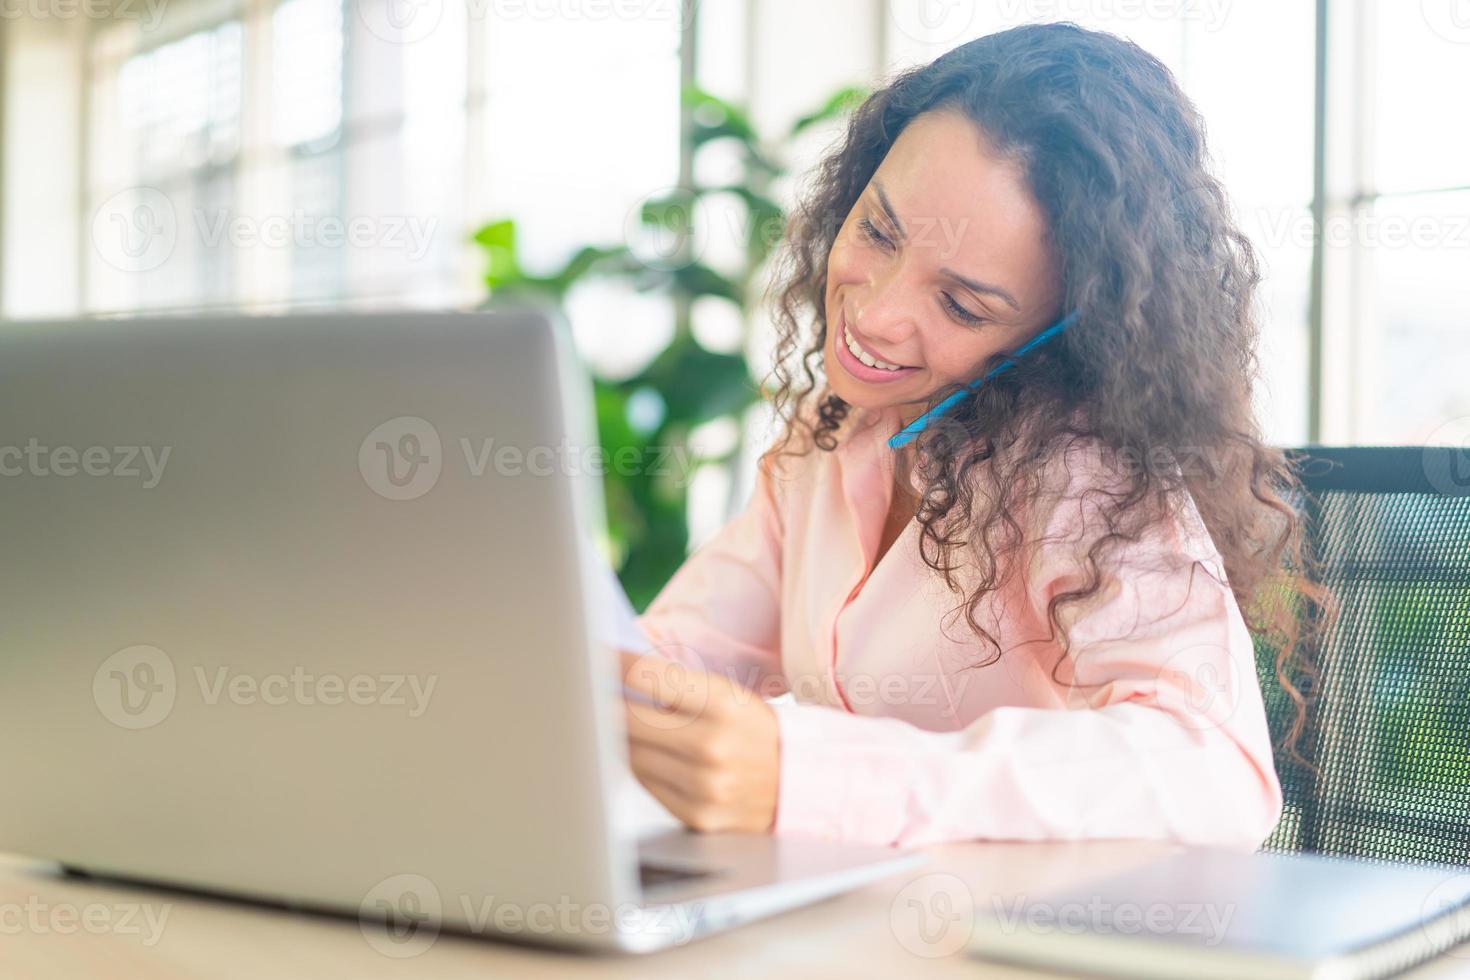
(1012, 610)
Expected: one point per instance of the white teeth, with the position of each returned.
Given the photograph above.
(864, 356)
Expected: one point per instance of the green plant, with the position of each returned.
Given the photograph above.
(647, 509)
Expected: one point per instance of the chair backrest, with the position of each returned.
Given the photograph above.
(1389, 722)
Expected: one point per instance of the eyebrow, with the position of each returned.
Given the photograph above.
(973, 284)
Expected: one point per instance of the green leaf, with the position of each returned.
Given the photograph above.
(839, 104)
(698, 385)
(673, 212)
(728, 118)
(498, 239)
(592, 260)
(698, 279)
(647, 510)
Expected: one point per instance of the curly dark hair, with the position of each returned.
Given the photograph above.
(1161, 355)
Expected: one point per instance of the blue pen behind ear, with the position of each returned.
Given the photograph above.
(907, 433)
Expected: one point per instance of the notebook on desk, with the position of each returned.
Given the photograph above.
(1212, 913)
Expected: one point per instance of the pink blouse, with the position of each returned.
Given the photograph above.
(893, 736)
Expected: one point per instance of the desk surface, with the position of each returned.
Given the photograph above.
(44, 931)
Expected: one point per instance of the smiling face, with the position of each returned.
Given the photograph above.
(942, 262)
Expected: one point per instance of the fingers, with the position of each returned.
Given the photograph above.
(695, 746)
(670, 733)
(669, 685)
(653, 763)
(668, 779)
(667, 794)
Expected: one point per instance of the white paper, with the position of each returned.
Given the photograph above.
(616, 622)
(635, 810)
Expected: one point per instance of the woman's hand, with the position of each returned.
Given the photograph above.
(704, 746)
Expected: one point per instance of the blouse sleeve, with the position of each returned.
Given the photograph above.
(721, 611)
(1162, 736)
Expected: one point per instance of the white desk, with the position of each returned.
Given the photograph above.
(862, 934)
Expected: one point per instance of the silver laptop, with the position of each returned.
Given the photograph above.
(298, 609)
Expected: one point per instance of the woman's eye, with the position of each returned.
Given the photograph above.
(872, 234)
(958, 311)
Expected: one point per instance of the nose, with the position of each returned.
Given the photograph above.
(886, 310)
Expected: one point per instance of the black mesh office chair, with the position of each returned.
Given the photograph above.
(1389, 728)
